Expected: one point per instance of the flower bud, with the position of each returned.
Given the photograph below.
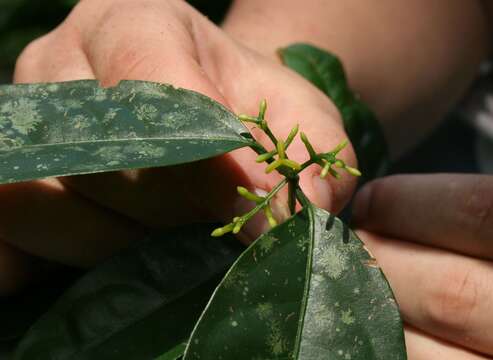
(280, 149)
(248, 118)
(341, 146)
(292, 135)
(325, 170)
(270, 217)
(266, 156)
(272, 166)
(353, 171)
(291, 164)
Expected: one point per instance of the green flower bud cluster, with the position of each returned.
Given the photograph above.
(277, 159)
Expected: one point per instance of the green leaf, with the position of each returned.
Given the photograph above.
(326, 72)
(308, 289)
(78, 128)
(139, 305)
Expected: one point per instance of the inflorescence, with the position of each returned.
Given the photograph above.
(278, 159)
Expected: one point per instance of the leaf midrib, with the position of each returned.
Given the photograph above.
(238, 139)
(308, 271)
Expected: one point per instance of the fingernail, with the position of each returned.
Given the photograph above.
(361, 204)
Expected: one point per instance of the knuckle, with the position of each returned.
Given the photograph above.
(453, 302)
(30, 56)
(118, 52)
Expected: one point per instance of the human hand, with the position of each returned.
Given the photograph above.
(432, 236)
(81, 220)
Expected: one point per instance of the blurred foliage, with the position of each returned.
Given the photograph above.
(21, 21)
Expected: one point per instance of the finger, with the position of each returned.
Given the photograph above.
(45, 219)
(449, 211)
(421, 346)
(442, 293)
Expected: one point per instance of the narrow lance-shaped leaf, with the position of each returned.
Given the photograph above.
(140, 305)
(326, 72)
(78, 128)
(307, 290)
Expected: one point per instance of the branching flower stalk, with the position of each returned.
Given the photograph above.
(278, 160)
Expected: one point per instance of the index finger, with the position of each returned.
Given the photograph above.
(451, 211)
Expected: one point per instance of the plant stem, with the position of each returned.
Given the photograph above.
(300, 195)
(265, 202)
(285, 171)
(307, 163)
(258, 148)
(292, 186)
(271, 136)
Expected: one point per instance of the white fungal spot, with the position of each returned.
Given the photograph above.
(347, 317)
(22, 114)
(332, 261)
(275, 341)
(146, 112)
(110, 115)
(267, 243)
(264, 311)
(81, 122)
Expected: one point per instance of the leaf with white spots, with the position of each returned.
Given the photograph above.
(306, 290)
(78, 127)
